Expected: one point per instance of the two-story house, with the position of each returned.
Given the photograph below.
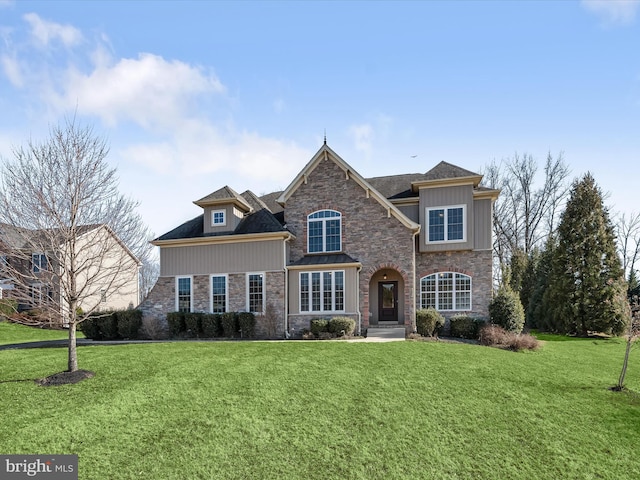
(33, 274)
(334, 244)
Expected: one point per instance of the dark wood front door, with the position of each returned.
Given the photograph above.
(388, 301)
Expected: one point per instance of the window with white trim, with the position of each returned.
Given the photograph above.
(446, 224)
(255, 292)
(38, 262)
(322, 291)
(184, 294)
(218, 293)
(324, 231)
(218, 218)
(446, 291)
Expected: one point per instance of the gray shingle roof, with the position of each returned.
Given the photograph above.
(327, 259)
(253, 200)
(445, 170)
(221, 195)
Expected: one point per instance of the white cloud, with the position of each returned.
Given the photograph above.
(168, 120)
(12, 70)
(613, 12)
(6, 3)
(149, 90)
(45, 32)
(362, 136)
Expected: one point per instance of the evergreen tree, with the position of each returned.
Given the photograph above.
(537, 311)
(586, 291)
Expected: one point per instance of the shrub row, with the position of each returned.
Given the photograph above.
(116, 325)
(323, 328)
(211, 325)
(496, 336)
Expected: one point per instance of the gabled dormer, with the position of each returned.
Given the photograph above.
(455, 211)
(224, 209)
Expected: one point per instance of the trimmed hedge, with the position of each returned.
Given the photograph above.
(129, 323)
(116, 325)
(193, 324)
(428, 321)
(229, 324)
(175, 320)
(211, 326)
(464, 326)
(342, 326)
(247, 324)
(319, 325)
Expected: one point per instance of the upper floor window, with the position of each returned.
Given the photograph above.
(446, 224)
(38, 262)
(324, 231)
(218, 218)
(446, 291)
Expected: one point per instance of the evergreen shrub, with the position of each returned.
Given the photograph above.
(428, 322)
(342, 326)
(505, 310)
(247, 324)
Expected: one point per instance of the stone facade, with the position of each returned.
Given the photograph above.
(369, 234)
(382, 245)
(477, 264)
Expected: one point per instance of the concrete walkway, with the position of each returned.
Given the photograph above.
(385, 334)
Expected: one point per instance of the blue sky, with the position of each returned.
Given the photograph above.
(196, 95)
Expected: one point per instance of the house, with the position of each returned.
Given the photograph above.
(32, 270)
(334, 244)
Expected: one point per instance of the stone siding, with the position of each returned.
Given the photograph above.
(161, 300)
(369, 234)
(477, 264)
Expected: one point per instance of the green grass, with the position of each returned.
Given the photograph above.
(329, 410)
(14, 333)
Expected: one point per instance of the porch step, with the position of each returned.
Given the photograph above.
(395, 334)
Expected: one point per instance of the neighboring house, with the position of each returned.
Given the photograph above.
(107, 278)
(334, 244)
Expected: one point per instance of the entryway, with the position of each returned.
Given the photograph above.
(387, 301)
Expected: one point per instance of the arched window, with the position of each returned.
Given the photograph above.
(324, 231)
(446, 291)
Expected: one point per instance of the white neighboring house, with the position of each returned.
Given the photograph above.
(108, 272)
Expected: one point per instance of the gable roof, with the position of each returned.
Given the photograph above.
(446, 173)
(253, 200)
(325, 153)
(224, 196)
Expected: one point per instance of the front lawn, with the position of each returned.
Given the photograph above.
(337, 410)
(15, 333)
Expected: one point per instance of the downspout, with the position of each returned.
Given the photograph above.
(359, 313)
(413, 286)
(286, 286)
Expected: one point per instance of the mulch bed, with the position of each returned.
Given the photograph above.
(64, 378)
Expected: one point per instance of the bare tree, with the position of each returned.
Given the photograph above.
(525, 214)
(628, 233)
(71, 234)
(633, 333)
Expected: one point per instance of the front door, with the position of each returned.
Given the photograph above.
(388, 301)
